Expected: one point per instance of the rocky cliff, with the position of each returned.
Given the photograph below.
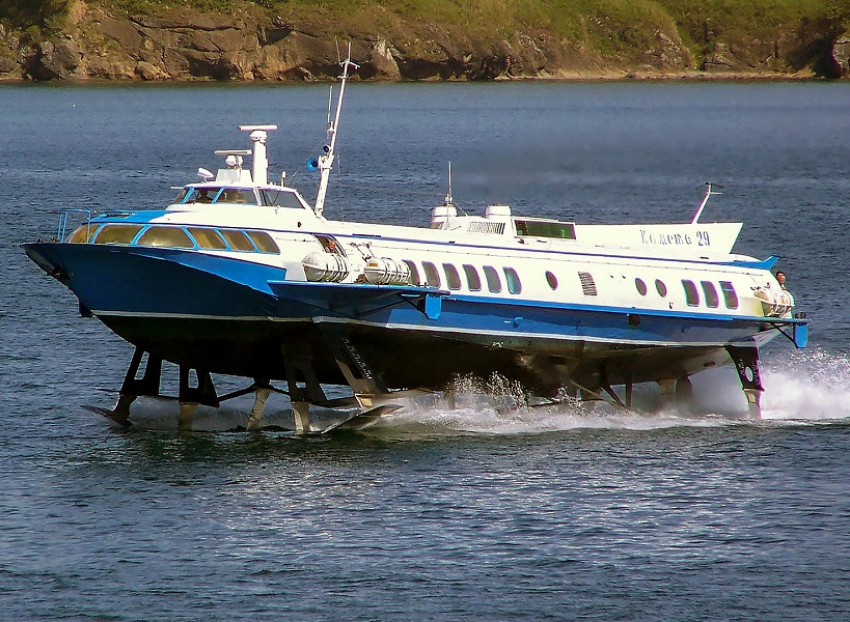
(91, 42)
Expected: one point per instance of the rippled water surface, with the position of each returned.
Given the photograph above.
(462, 510)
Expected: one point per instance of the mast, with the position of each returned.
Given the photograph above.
(326, 160)
(708, 193)
(449, 199)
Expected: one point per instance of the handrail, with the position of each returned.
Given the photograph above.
(63, 222)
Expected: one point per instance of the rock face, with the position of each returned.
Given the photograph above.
(840, 55)
(250, 44)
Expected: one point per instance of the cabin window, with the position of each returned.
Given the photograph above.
(166, 237)
(197, 195)
(730, 296)
(237, 240)
(512, 278)
(552, 280)
(641, 287)
(264, 242)
(588, 285)
(472, 278)
(234, 195)
(691, 293)
(281, 198)
(207, 238)
(550, 229)
(711, 298)
(330, 244)
(117, 234)
(83, 234)
(661, 288)
(452, 276)
(414, 271)
(493, 282)
(432, 276)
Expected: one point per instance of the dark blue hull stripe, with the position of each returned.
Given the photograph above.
(167, 283)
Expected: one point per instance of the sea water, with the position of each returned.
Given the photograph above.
(448, 509)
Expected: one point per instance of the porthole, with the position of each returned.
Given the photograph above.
(691, 293)
(452, 276)
(711, 298)
(729, 294)
(641, 287)
(661, 288)
(512, 279)
(472, 278)
(493, 282)
(431, 274)
(414, 272)
(552, 280)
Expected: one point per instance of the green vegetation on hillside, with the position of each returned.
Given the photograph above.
(32, 14)
(701, 21)
(609, 25)
(614, 29)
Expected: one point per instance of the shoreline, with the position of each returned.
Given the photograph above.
(567, 77)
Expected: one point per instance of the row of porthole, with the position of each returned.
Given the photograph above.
(660, 287)
(473, 279)
(692, 296)
(251, 241)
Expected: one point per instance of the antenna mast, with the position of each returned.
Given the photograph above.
(326, 160)
(708, 193)
(449, 199)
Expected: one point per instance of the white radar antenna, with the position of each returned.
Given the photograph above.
(259, 136)
(326, 160)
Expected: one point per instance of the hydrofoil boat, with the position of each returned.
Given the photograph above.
(242, 276)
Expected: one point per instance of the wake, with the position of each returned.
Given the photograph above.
(809, 387)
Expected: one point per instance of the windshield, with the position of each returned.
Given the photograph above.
(216, 194)
(281, 198)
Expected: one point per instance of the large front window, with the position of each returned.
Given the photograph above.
(217, 194)
(166, 237)
(281, 198)
(117, 234)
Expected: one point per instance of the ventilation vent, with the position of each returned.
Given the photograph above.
(588, 285)
(487, 227)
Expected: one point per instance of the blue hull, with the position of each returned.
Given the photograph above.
(236, 317)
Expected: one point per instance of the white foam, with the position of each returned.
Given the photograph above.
(812, 385)
(801, 388)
